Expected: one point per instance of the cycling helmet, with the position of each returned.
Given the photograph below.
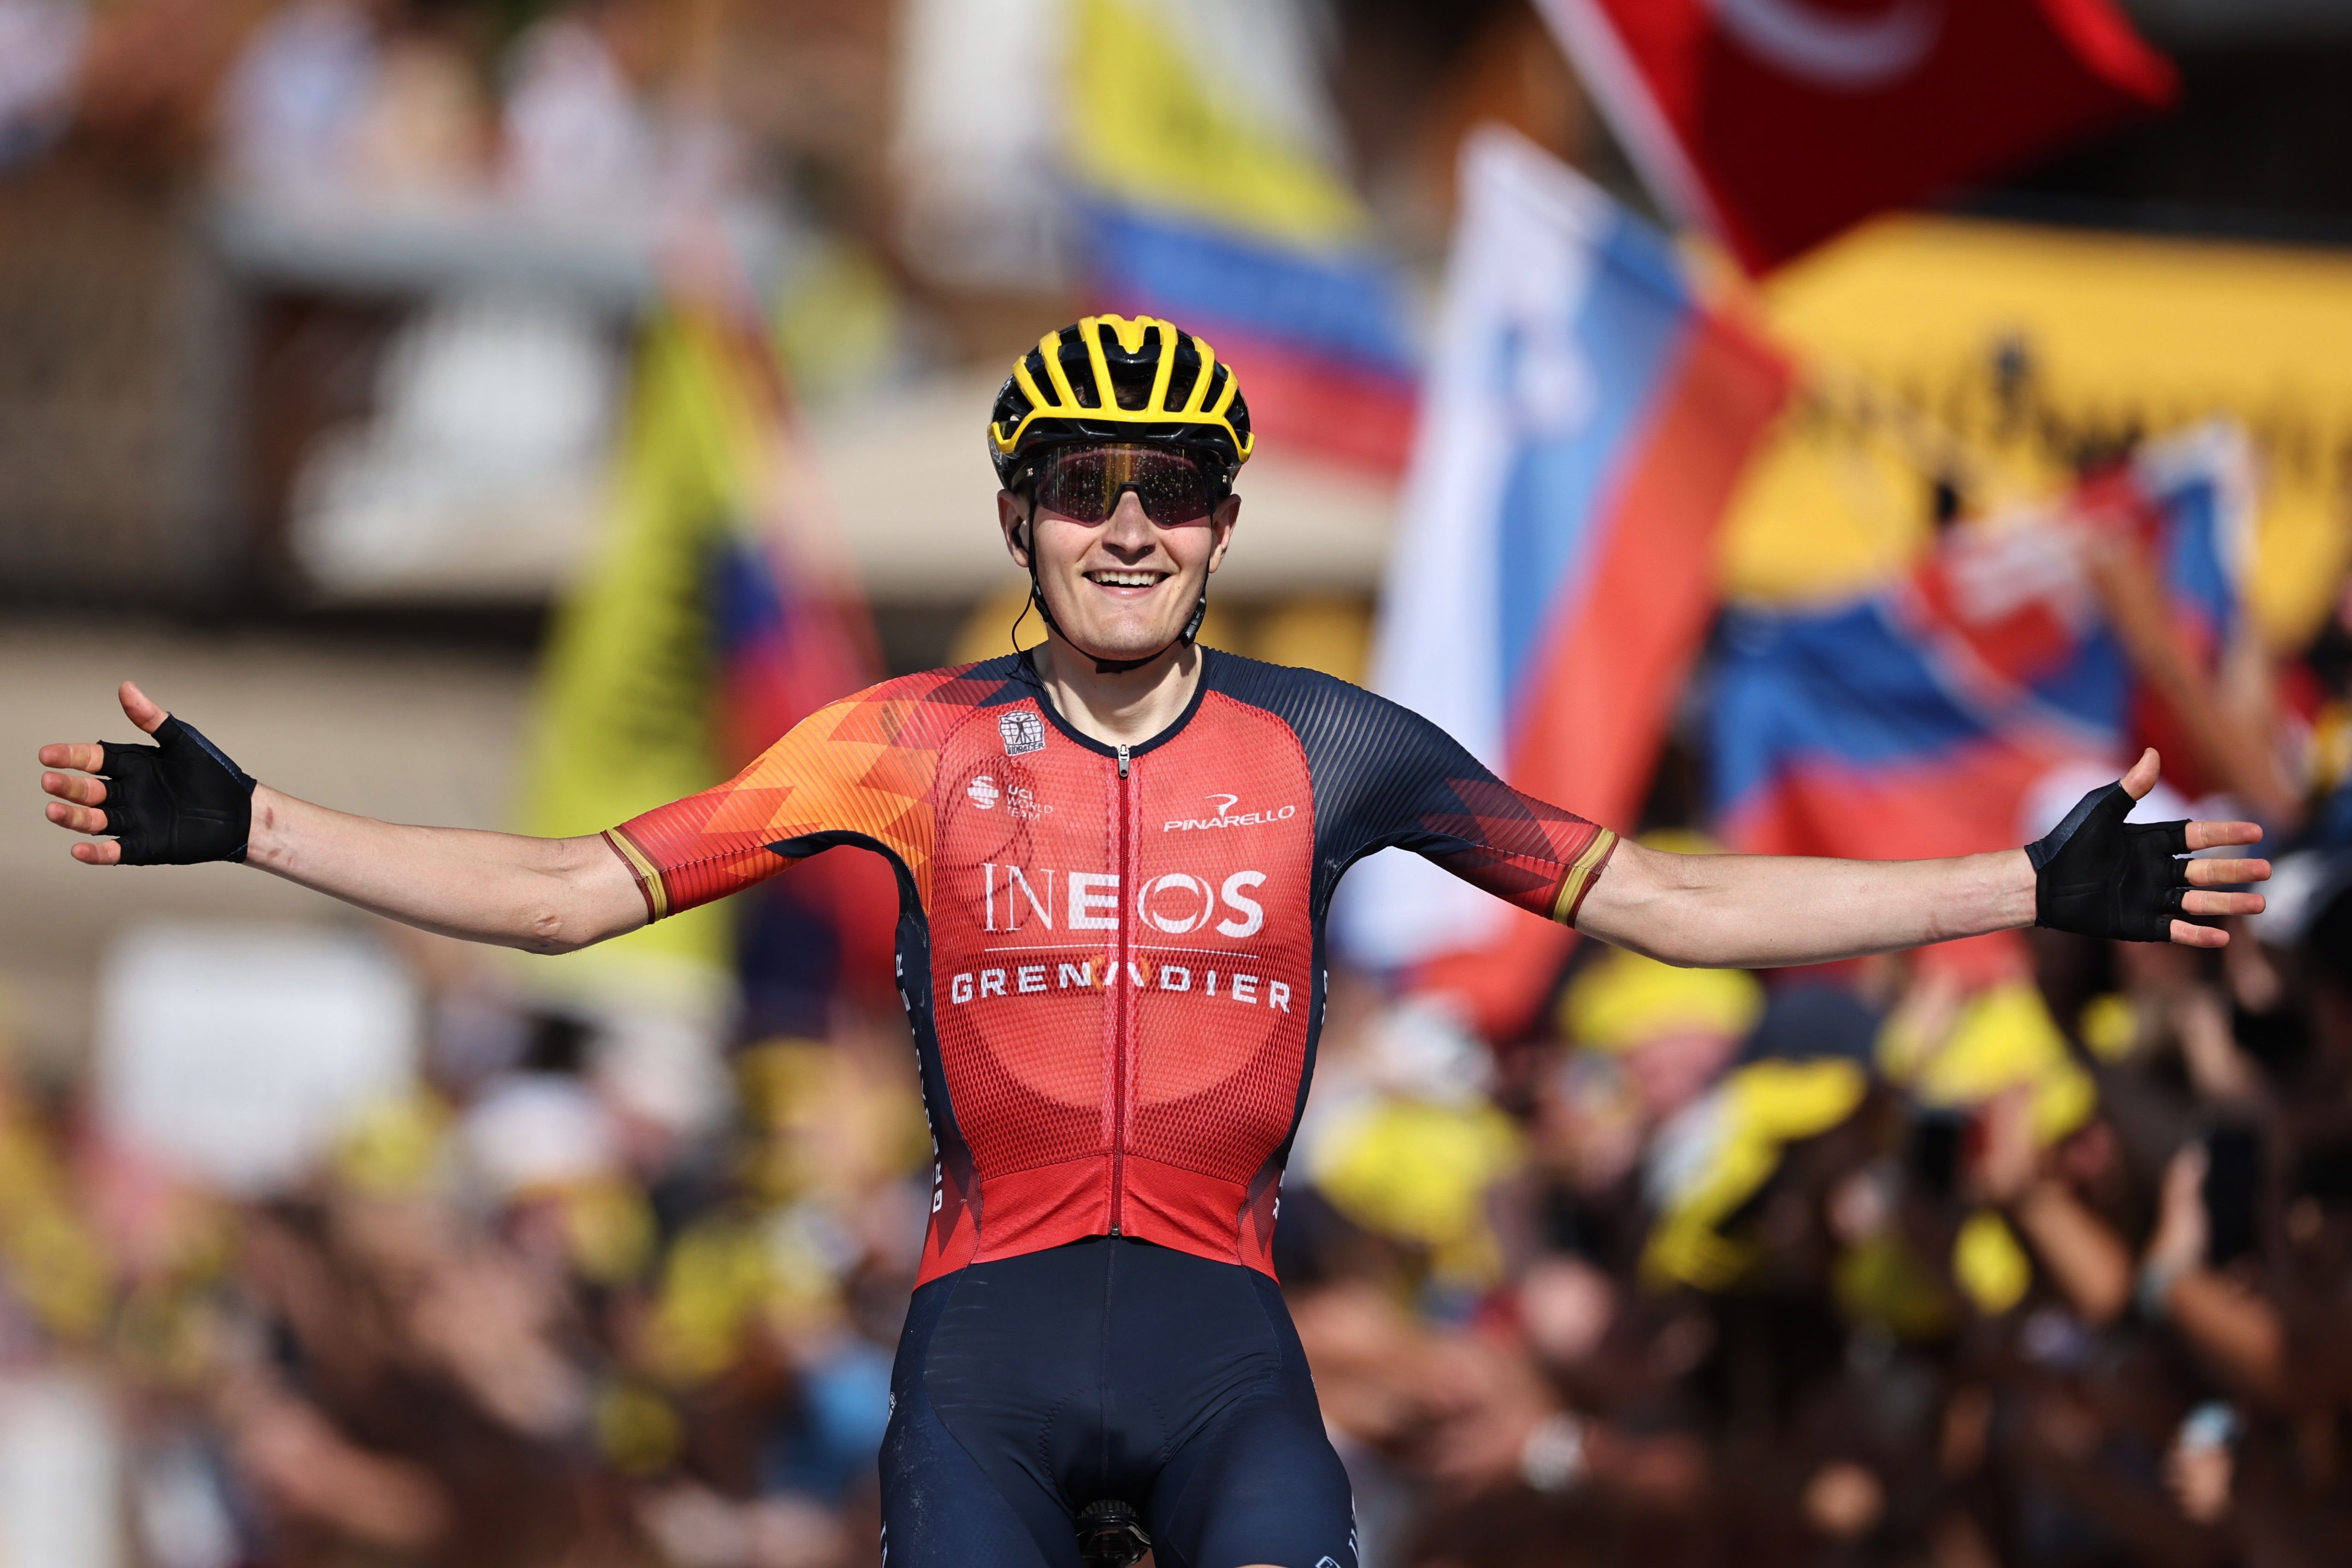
(1166, 387)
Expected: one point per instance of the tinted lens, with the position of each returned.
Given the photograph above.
(1078, 485)
(1085, 485)
(1171, 488)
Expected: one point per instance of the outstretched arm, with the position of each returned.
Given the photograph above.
(544, 895)
(1754, 912)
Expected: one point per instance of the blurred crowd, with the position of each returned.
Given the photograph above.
(529, 1313)
(1862, 1268)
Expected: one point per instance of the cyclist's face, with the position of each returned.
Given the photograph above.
(1123, 587)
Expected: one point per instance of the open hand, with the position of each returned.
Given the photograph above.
(2099, 875)
(177, 802)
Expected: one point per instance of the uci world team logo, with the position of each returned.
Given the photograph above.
(984, 792)
(1023, 729)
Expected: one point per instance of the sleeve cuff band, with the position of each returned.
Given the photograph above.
(1582, 873)
(648, 876)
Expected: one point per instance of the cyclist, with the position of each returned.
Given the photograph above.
(1114, 854)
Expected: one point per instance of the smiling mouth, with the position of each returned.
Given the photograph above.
(1126, 579)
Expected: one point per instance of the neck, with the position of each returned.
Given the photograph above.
(1126, 709)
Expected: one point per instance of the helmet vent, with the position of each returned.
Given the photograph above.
(1079, 367)
(1011, 406)
(1185, 376)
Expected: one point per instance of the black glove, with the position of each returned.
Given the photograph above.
(2097, 875)
(177, 802)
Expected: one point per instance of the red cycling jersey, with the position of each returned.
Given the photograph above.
(1112, 956)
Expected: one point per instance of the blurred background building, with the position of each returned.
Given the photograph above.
(1805, 425)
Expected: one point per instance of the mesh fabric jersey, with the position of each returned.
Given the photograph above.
(1113, 960)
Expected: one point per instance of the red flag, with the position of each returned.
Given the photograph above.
(1778, 122)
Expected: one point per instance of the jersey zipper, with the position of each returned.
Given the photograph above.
(1122, 1000)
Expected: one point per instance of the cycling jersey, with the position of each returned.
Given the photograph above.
(1112, 956)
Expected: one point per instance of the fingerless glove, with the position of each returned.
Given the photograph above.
(179, 802)
(2097, 875)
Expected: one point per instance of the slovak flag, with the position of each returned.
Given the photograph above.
(1583, 423)
(1776, 123)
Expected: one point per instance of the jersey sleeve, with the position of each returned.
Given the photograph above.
(1386, 777)
(1442, 803)
(858, 770)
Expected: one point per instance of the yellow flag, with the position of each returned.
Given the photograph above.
(625, 716)
(1148, 129)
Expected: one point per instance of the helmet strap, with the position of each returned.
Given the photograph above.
(1102, 666)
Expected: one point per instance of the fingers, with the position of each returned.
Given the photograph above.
(2220, 873)
(76, 788)
(87, 759)
(80, 818)
(2187, 935)
(139, 709)
(2141, 780)
(2221, 904)
(76, 796)
(2217, 905)
(2214, 835)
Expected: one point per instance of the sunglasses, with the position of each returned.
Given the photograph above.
(1084, 484)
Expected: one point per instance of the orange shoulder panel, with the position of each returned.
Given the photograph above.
(863, 766)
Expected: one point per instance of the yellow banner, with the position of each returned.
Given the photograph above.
(1997, 355)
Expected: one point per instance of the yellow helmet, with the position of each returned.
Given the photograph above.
(1167, 387)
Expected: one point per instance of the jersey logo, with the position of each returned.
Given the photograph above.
(1229, 987)
(1174, 902)
(1227, 816)
(985, 792)
(1023, 729)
